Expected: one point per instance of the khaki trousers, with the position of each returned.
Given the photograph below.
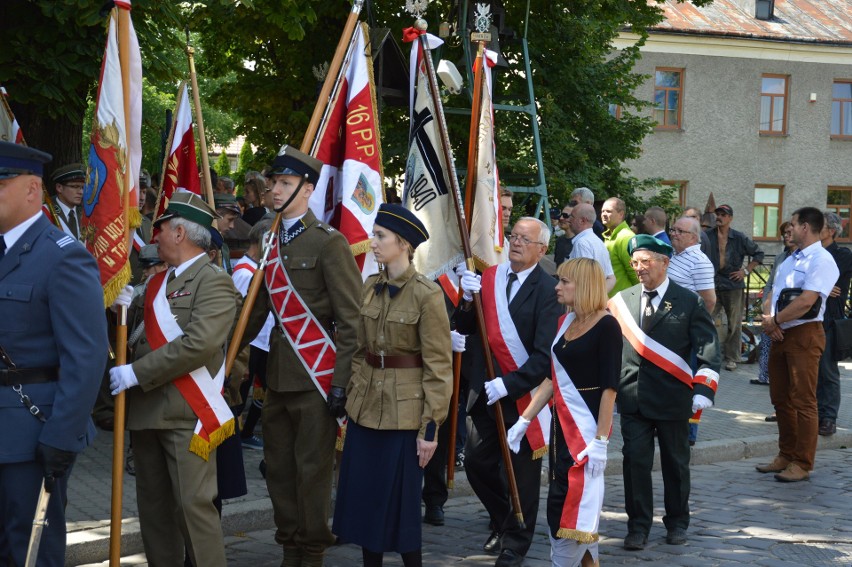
(793, 370)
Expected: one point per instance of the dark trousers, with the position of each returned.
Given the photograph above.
(731, 302)
(673, 436)
(793, 366)
(828, 381)
(20, 484)
(484, 468)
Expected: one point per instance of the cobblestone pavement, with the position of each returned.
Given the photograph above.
(739, 517)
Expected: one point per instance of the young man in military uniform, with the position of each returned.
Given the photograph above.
(174, 384)
(68, 183)
(53, 328)
(299, 428)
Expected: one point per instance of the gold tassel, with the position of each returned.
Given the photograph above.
(577, 535)
(539, 453)
(341, 438)
(114, 286)
(360, 247)
(134, 218)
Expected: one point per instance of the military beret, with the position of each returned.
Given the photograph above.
(401, 221)
(291, 161)
(648, 242)
(189, 206)
(70, 172)
(227, 202)
(16, 159)
(149, 256)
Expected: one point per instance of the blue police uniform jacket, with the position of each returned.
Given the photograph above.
(51, 315)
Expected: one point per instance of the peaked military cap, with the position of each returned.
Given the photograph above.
(188, 206)
(291, 161)
(401, 221)
(16, 159)
(227, 202)
(149, 256)
(70, 172)
(648, 242)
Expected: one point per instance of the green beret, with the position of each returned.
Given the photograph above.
(648, 242)
(189, 206)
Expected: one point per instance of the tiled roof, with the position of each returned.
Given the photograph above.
(818, 21)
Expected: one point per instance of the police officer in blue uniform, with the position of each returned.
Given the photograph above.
(54, 349)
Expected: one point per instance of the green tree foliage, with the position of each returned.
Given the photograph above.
(222, 166)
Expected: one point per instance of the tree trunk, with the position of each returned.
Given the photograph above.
(60, 137)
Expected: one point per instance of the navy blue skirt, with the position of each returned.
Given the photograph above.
(378, 492)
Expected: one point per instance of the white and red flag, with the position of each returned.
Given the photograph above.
(486, 228)
(10, 131)
(180, 168)
(427, 174)
(350, 187)
(110, 197)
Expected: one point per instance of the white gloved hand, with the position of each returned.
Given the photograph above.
(470, 284)
(121, 378)
(596, 452)
(516, 433)
(458, 341)
(124, 297)
(495, 389)
(460, 269)
(700, 402)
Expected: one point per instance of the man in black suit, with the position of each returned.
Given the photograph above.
(664, 327)
(521, 316)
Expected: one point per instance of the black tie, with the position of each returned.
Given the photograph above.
(392, 289)
(72, 222)
(648, 313)
(512, 277)
(171, 277)
(2, 246)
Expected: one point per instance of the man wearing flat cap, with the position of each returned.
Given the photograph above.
(53, 349)
(176, 413)
(311, 274)
(664, 326)
(68, 183)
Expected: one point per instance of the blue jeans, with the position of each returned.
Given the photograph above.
(828, 380)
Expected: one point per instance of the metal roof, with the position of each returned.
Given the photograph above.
(816, 21)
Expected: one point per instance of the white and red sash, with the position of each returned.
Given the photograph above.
(581, 510)
(657, 354)
(201, 391)
(310, 342)
(509, 351)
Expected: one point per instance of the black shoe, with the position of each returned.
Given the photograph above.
(757, 382)
(434, 516)
(492, 544)
(827, 427)
(771, 418)
(676, 536)
(635, 541)
(509, 558)
(262, 468)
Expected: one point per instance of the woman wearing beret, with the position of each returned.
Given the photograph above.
(586, 358)
(398, 396)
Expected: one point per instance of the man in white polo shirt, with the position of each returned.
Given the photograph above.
(689, 266)
(793, 320)
(587, 244)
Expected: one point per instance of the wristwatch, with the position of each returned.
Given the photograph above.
(602, 437)
(746, 272)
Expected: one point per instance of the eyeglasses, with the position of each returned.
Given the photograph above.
(565, 216)
(641, 262)
(75, 186)
(678, 231)
(522, 239)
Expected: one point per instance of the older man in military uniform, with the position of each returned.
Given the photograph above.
(174, 386)
(68, 183)
(313, 275)
(52, 330)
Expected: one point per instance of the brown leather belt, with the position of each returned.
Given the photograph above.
(10, 377)
(393, 360)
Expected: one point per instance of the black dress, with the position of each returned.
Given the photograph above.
(593, 361)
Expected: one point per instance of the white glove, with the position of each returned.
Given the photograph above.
(596, 451)
(460, 269)
(458, 341)
(495, 389)
(470, 284)
(124, 297)
(121, 378)
(516, 433)
(700, 402)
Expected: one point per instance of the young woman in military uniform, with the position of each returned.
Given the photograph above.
(398, 396)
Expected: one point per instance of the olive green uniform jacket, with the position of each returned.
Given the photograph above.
(413, 322)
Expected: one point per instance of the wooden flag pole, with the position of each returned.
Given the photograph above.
(468, 254)
(335, 71)
(123, 18)
(168, 153)
(199, 119)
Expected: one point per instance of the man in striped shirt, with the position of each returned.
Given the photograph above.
(690, 267)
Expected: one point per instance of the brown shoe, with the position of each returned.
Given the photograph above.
(777, 465)
(827, 428)
(793, 473)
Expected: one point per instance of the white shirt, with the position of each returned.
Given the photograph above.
(811, 269)
(14, 234)
(588, 245)
(661, 291)
(242, 278)
(692, 269)
(522, 277)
